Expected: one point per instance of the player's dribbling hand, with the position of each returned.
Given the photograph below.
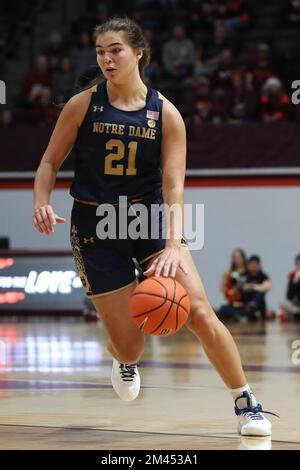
(167, 263)
(44, 219)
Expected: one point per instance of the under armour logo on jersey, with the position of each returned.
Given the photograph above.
(88, 240)
(100, 109)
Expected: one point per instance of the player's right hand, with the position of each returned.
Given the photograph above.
(44, 219)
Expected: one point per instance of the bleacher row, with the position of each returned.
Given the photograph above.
(245, 57)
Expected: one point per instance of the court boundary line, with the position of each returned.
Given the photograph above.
(234, 436)
(95, 385)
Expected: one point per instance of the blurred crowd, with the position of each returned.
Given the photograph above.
(245, 285)
(218, 61)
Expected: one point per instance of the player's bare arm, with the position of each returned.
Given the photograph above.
(173, 169)
(59, 147)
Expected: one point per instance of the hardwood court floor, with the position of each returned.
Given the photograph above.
(55, 390)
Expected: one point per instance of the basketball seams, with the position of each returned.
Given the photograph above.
(152, 309)
(157, 295)
(173, 302)
(176, 323)
(166, 315)
(162, 321)
(177, 311)
(165, 318)
(179, 303)
(161, 284)
(178, 307)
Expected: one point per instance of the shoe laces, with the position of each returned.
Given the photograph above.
(128, 372)
(252, 412)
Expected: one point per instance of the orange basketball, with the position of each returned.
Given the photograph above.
(160, 306)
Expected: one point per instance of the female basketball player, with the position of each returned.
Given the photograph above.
(130, 141)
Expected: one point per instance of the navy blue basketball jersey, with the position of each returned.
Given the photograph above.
(118, 152)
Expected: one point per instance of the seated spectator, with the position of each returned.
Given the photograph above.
(202, 17)
(36, 80)
(220, 41)
(261, 67)
(222, 84)
(231, 284)
(222, 78)
(235, 14)
(43, 113)
(55, 50)
(243, 103)
(201, 104)
(63, 81)
(83, 56)
(291, 305)
(153, 72)
(203, 67)
(179, 54)
(275, 104)
(202, 107)
(254, 290)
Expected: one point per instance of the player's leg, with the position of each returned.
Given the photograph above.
(214, 336)
(221, 350)
(203, 322)
(107, 273)
(125, 340)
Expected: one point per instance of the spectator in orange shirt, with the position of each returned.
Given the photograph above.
(275, 104)
(231, 284)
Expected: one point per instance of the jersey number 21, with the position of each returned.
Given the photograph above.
(118, 148)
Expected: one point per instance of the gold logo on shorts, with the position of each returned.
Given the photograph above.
(79, 261)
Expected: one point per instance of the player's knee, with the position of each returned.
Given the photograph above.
(200, 319)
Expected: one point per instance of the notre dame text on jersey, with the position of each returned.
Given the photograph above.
(118, 152)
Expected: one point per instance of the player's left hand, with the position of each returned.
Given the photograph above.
(167, 263)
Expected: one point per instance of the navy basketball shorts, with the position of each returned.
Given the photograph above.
(107, 265)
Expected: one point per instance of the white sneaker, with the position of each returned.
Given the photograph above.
(251, 421)
(255, 443)
(125, 379)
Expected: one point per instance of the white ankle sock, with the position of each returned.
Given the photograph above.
(236, 392)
